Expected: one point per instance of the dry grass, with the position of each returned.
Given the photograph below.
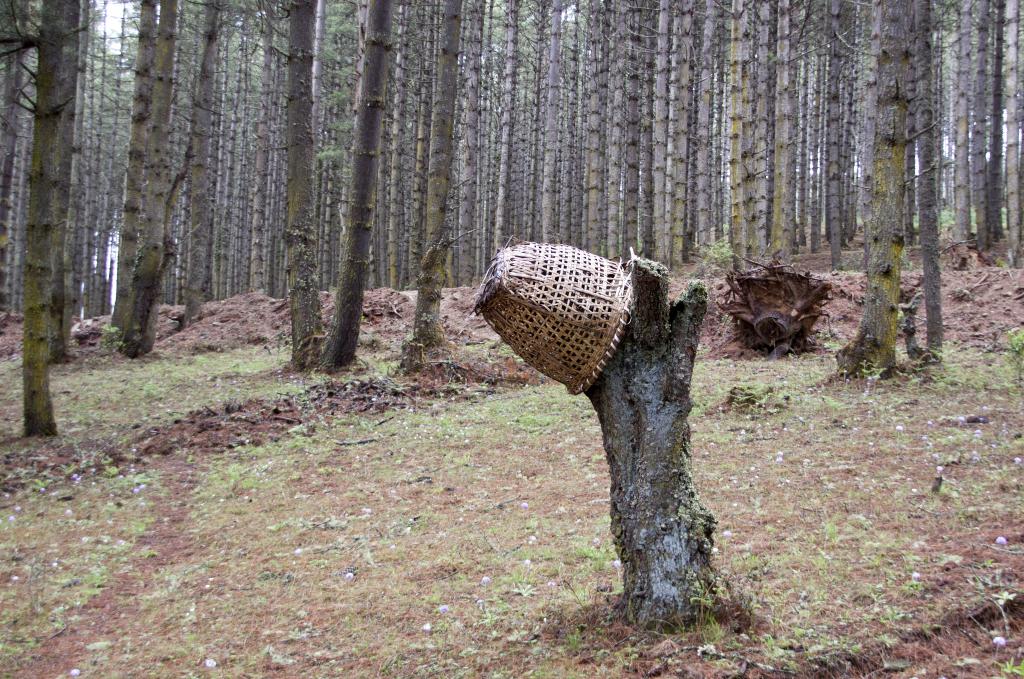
(325, 553)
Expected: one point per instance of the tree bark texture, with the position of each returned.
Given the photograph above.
(1015, 243)
(662, 531)
(340, 349)
(873, 349)
(198, 275)
(139, 331)
(49, 188)
(300, 228)
(427, 331)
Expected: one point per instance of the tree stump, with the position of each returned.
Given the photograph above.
(662, 532)
(775, 308)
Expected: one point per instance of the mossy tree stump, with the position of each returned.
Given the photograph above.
(662, 532)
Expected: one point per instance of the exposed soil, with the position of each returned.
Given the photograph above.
(979, 305)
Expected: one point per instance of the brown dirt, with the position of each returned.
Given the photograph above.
(978, 305)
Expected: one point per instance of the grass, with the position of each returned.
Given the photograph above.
(317, 556)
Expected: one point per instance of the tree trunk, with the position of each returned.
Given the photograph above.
(261, 169)
(470, 139)
(508, 93)
(340, 349)
(139, 333)
(681, 56)
(833, 218)
(979, 134)
(662, 532)
(300, 229)
(704, 170)
(550, 170)
(874, 347)
(736, 129)
(962, 181)
(395, 193)
(928, 215)
(662, 250)
(197, 285)
(782, 204)
(427, 331)
(135, 175)
(49, 188)
(1015, 249)
(994, 167)
(9, 130)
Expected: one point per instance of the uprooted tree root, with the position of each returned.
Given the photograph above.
(774, 308)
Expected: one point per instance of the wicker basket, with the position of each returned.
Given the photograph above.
(563, 310)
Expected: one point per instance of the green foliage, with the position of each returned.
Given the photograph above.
(110, 339)
(1015, 346)
(715, 258)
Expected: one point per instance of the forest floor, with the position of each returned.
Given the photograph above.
(207, 505)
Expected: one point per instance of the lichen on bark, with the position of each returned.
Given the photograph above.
(662, 531)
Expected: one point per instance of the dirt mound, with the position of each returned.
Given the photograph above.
(259, 421)
(979, 306)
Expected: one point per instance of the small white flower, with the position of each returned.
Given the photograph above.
(15, 578)
(349, 575)
(427, 628)
(999, 642)
(726, 533)
(486, 580)
(11, 517)
(367, 511)
(68, 512)
(1001, 540)
(915, 576)
(210, 663)
(938, 470)
(298, 550)
(1018, 460)
(552, 584)
(899, 427)
(527, 563)
(532, 539)
(617, 565)
(74, 672)
(524, 505)
(442, 609)
(597, 541)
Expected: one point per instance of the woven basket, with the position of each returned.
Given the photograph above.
(563, 310)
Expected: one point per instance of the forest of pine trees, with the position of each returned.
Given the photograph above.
(194, 151)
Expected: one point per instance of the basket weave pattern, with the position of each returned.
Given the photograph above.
(563, 310)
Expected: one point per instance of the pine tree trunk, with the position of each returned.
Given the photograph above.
(979, 133)
(508, 93)
(873, 349)
(340, 349)
(736, 130)
(662, 250)
(395, 216)
(9, 131)
(962, 181)
(258, 190)
(662, 531)
(142, 105)
(833, 217)
(49, 187)
(928, 215)
(782, 205)
(300, 228)
(617, 114)
(197, 286)
(682, 71)
(139, 333)
(1015, 249)
(994, 168)
(427, 331)
(704, 170)
(470, 140)
(548, 229)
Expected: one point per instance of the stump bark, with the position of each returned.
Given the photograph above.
(662, 532)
